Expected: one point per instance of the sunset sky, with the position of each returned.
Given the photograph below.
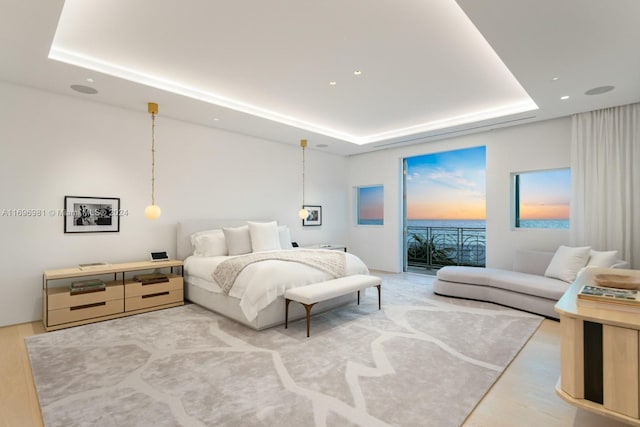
(545, 195)
(448, 185)
(370, 201)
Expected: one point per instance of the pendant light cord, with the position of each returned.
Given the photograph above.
(303, 166)
(153, 158)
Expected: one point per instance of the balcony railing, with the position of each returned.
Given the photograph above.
(435, 247)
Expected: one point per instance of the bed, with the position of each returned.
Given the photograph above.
(256, 297)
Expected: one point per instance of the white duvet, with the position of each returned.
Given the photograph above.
(260, 283)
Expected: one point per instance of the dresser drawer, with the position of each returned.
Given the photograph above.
(155, 299)
(134, 289)
(83, 312)
(62, 298)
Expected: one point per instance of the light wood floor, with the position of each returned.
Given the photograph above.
(523, 396)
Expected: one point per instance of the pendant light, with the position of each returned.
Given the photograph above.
(153, 211)
(303, 213)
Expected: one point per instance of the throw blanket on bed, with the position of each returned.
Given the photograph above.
(332, 262)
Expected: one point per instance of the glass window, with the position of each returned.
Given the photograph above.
(370, 202)
(541, 198)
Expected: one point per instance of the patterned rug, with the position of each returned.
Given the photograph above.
(423, 360)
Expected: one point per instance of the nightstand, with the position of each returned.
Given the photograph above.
(331, 247)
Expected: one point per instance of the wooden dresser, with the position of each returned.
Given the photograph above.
(122, 296)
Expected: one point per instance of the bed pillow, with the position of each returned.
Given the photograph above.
(285, 237)
(264, 236)
(602, 258)
(210, 244)
(567, 262)
(197, 234)
(238, 240)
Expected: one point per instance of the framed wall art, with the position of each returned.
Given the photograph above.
(315, 215)
(91, 214)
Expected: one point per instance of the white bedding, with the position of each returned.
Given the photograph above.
(259, 284)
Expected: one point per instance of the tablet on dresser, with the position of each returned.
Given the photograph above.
(159, 256)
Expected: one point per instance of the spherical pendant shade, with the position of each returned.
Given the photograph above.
(152, 212)
(303, 213)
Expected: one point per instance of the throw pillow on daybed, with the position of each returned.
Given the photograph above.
(567, 262)
(603, 259)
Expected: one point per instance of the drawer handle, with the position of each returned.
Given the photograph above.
(155, 295)
(81, 307)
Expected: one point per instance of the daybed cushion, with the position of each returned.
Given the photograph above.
(513, 281)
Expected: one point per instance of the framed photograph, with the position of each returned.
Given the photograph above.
(315, 215)
(91, 214)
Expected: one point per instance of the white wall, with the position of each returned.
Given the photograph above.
(53, 145)
(543, 145)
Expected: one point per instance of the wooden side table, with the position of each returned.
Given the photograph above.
(599, 351)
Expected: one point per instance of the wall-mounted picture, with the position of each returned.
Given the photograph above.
(315, 215)
(91, 214)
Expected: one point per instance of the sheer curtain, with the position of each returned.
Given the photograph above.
(605, 175)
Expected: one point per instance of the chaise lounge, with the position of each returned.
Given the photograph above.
(535, 284)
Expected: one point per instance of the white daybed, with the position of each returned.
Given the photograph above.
(245, 302)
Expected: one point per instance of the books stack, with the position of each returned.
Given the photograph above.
(82, 286)
(148, 279)
(609, 298)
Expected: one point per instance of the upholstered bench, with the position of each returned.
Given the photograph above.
(309, 295)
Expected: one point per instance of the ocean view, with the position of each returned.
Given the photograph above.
(480, 223)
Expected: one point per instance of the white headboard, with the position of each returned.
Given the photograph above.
(186, 228)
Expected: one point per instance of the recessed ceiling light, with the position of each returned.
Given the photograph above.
(357, 72)
(84, 89)
(89, 79)
(215, 119)
(333, 82)
(564, 97)
(555, 79)
(599, 90)
(322, 145)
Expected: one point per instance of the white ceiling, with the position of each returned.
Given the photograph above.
(430, 69)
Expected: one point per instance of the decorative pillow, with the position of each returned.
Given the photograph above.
(238, 240)
(285, 237)
(264, 236)
(602, 258)
(567, 262)
(210, 244)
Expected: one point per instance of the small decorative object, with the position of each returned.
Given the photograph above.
(153, 211)
(303, 213)
(91, 214)
(93, 265)
(314, 215)
(619, 281)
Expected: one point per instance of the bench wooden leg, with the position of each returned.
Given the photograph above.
(308, 308)
(379, 300)
(286, 313)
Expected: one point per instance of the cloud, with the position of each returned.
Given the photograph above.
(455, 180)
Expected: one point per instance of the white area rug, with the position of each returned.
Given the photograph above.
(422, 360)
